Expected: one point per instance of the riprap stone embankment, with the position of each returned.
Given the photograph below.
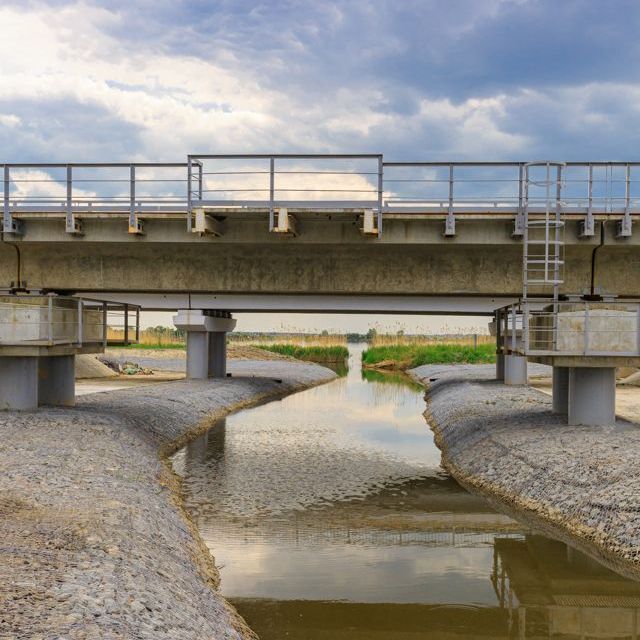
(94, 542)
(580, 484)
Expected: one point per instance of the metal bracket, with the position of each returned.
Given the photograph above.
(205, 224)
(135, 224)
(625, 228)
(370, 223)
(450, 225)
(286, 224)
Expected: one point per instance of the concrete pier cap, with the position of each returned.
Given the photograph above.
(206, 341)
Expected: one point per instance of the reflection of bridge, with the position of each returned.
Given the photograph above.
(550, 590)
(544, 590)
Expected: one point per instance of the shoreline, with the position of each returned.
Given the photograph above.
(96, 539)
(577, 484)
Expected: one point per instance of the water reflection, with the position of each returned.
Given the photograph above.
(330, 517)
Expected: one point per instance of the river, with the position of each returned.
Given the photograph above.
(330, 518)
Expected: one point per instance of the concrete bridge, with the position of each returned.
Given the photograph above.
(219, 234)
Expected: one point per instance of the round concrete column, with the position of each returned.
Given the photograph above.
(592, 396)
(560, 390)
(515, 370)
(197, 355)
(217, 354)
(18, 382)
(56, 380)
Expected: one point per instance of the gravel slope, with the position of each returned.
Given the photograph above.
(93, 539)
(580, 484)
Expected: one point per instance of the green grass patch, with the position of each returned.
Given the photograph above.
(413, 355)
(314, 354)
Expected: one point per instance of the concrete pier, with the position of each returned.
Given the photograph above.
(206, 341)
(18, 382)
(515, 370)
(56, 381)
(560, 390)
(592, 396)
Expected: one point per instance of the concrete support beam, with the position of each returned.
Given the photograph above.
(206, 342)
(560, 390)
(515, 370)
(217, 354)
(56, 381)
(592, 396)
(197, 355)
(18, 382)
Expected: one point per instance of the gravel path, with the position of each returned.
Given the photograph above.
(94, 542)
(580, 484)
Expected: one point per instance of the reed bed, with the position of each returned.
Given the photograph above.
(408, 356)
(313, 353)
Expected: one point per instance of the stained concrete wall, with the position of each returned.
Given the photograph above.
(490, 265)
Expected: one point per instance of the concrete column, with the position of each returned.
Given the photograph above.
(499, 347)
(18, 382)
(56, 380)
(592, 396)
(515, 370)
(217, 354)
(197, 355)
(560, 390)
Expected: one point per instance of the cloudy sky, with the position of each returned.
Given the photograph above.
(154, 80)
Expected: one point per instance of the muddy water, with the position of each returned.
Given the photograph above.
(330, 519)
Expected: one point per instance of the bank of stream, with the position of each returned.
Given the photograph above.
(329, 516)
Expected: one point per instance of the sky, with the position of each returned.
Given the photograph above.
(154, 80)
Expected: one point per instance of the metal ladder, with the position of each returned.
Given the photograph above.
(543, 237)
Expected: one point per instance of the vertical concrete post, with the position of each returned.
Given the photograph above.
(499, 346)
(56, 380)
(18, 382)
(217, 354)
(197, 355)
(560, 390)
(515, 370)
(592, 396)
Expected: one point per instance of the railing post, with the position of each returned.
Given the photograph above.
(50, 319)
(189, 220)
(200, 180)
(625, 225)
(525, 327)
(513, 329)
(272, 191)
(586, 328)
(135, 225)
(518, 228)
(80, 327)
(126, 325)
(104, 324)
(71, 224)
(450, 224)
(588, 227)
(137, 325)
(380, 192)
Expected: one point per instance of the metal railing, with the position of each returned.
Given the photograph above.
(314, 182)
(571, 328)
(51, 321)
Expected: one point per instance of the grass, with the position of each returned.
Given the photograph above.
(408, 356)
(334, 353)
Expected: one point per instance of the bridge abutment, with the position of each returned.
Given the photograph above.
(206, 341)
